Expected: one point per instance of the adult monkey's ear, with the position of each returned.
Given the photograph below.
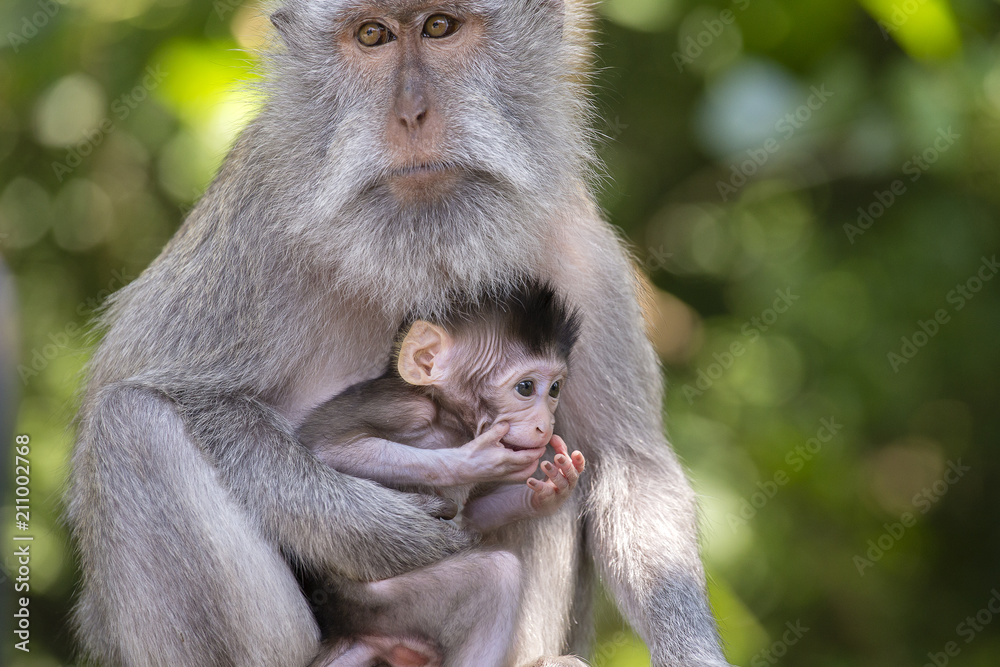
(553, 13)
(555, 7)
(424, 353)
(283, 22)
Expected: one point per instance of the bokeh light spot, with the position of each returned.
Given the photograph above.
(117, 10)
(901, 469)
(741, 108)
(644, 15)
(769, 373)
(24, 213)
(65, 112)
(83, 215)
(925, 29)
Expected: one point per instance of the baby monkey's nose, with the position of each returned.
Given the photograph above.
(543, 432)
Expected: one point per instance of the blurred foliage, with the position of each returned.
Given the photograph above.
(811, 187)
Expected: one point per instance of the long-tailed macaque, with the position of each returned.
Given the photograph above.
(470, 400)
(407, 153)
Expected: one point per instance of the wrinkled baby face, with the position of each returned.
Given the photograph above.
(526, 397)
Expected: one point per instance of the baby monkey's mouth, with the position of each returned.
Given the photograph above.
(518, 447)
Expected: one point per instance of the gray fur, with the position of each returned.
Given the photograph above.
(284, 286)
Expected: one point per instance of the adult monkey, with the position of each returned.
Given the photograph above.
(407, 151)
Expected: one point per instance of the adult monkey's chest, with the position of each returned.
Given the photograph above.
(348, 345)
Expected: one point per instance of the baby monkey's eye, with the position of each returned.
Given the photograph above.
(440, 25)
(554, 390)
(374, 34)
(525, 388)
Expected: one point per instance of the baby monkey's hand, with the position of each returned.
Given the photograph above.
(549, 494)
(486, 459)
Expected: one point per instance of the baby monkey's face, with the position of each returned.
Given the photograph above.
(526, 397)
(486, 378)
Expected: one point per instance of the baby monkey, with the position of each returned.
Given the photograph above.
(465, 410)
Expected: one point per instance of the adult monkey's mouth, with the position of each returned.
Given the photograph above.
(424, 181)
(424, 169)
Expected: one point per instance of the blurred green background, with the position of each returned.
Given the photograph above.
(812, 189)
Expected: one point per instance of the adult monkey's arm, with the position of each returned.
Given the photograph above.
(331, 521)
(640, 513)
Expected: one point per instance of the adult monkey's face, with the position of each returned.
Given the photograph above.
(414, 53)
(421, 147)
(420, 99)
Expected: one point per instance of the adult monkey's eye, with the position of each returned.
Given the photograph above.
(373, 34)
(554, 390)
(440, 25)
(525, 388)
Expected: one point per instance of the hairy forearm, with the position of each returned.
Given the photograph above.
(387, 462)
(642, 528)
(640, 511)
(323, 518)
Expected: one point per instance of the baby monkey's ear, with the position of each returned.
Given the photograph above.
(424, 354)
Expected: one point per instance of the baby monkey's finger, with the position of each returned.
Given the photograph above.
(541, 489)
(555, 476)
(494, 433)
(568, 469)
(559, 445)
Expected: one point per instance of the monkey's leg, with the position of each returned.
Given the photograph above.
(468, 603)
(173, 572)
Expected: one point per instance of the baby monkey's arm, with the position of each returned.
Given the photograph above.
(511, 503)
(484, 459)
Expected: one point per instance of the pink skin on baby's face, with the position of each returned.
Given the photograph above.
(521, 387)
(526, 399)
